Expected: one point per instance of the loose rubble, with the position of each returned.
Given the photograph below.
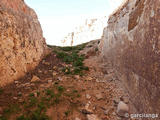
(35, 79)
(122, 109)
(98, 96)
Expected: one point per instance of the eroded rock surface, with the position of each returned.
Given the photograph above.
(132, 42)
(21, 42)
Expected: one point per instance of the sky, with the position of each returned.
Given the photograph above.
(59, 17)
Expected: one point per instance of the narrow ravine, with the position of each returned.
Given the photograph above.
(68, 84)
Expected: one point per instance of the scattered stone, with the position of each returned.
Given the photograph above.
(92, 117)
(43, 61)
(87, 106)
(84, 111)
(89, 78)
(77, 118)
(39, 71)
(27, 88)
(46, 85)
(42, 86)
(55, 73)
(54, 68)
(116, 101)
(88, 96)
(119, 118)
(19, 94)
(100, 81)
(67, 90)
(103, 107)
(109, 77)
(125, 99)
(99, 96)
(110, 71)
(22, 85)
(122, 109)
(94, 108)
(27, 84)
(106, 112)
(35, 79)
(59, 78)
(114, 78)
(49, 81)
(19, 86)
(15, 98)
(35, 94)
(20, 100)
(45, 72)
(46, 63)
(77, 76)
(114, 114)
(16, 82)
(32, 84)
(97, 80)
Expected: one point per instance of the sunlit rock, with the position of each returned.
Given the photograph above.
(21, 42)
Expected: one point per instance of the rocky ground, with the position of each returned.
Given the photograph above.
(67, 85)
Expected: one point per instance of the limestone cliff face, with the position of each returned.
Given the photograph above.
(92, 29)
(132, 42)
(21, 42)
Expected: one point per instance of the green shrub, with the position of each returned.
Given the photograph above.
(78, 63)
(31, 95)
(38, 115)
(61, 54)
(32, 102)
(50, 93)
(3, 118)
(60, 88)
(67, 48)
(68, 59)
(70, 55)
(85, 68)
(22, 117)
(67, 112)
(41, 106)
(77, 71)
(1, 91)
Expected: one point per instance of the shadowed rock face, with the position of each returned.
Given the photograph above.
(132, 42)
(21, 42)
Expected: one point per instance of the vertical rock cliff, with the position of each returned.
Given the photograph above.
(92, 29)
(132, 42)
(21, 41)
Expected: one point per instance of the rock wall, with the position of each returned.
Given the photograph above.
(21, 42)
(132, 42)
(92, 29)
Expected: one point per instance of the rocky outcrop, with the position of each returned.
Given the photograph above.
(21, 42)
(92, 29)
(132, 42)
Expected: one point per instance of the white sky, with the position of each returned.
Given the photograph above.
(59, 17)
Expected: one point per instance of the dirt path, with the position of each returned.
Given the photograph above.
(47, 92)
